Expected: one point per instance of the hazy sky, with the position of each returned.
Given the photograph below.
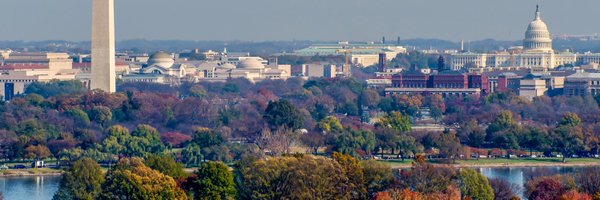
(259, 20)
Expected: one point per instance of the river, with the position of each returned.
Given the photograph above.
(44, 187)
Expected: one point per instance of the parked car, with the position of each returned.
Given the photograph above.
(3, 167)
(19, 167)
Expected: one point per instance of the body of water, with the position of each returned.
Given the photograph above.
(29, 187)
(518, 176)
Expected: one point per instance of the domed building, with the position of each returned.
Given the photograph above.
(250, 68)
(537, 36)
(162, 68)
(536, 53)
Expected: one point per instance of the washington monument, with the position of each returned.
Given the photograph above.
(103, 46)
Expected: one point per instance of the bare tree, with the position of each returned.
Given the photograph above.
(278, 142)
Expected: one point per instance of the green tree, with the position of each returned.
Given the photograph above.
(166, 164)
(396, 121)
(504, 121)
(205, 137)
(101, 115)
(213, 180)
(475, 186)
(131, 179)
(406, 145)
(283, 113)
(81, 181)
(571, 120)
(148, 139)
(192, 155)
(330, 124)
(56, 88)
(115, 143)
(568, 137)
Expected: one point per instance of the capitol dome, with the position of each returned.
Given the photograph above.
(537, 36)
(162, 59)
(251, 63)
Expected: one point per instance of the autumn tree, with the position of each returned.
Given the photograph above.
(474, 185)
(503, 190)
(396, 121)
(543, 188)
(305, 177)
(378, 176)
(355, 186)
(81, 181)
(131, 179)
(166, 164)
(38, 152)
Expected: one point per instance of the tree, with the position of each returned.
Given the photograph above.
(503, 122)
(101, 115)
(575, 195)
(352, 140)
(503, 190)
(298, 177)
(567, 140)
(570, 119)
(283, 113)
(396, 121)
(279, 142)
(474, 185)
(205, 137)
(81, 181)
(192, 155)
(148, 139)
(330, 124)
(588, 180)
(131, 179)
(545, 188)
(534, 139)
(426, 178)
(166, 164)
(38, 152)
(56, 88)
(378, 176)
(355, 186)
(406, 145)
(213, 180)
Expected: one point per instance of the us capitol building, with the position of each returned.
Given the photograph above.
(535, 54)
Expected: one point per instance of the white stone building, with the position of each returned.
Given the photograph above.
(536, 53)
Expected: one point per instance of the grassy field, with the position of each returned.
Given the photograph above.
(507, 162)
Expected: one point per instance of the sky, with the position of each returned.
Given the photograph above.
(274, 20)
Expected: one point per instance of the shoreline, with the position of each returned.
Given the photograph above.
(504, 165)
(28, 175)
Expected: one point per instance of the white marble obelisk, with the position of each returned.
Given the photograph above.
(103, 46)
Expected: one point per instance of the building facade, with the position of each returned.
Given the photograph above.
(536, 53)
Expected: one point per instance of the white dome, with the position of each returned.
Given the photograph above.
(251, 63)
(162, 59)
(537, 36)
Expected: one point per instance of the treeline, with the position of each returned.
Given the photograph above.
(301, 176)
(62, 120)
